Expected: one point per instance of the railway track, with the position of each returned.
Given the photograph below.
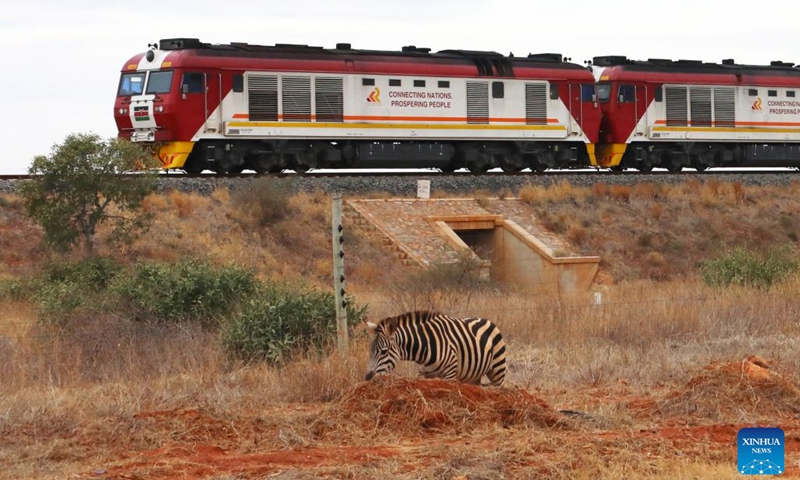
(437, 174)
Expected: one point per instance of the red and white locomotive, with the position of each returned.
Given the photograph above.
(267, 108)
(685, 113)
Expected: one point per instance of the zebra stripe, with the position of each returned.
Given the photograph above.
(463, 349)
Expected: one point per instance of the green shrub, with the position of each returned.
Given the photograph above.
(188, 290)
(68, 290)
(284, 319)
(95, 273)
(15, 289)
(742, 266)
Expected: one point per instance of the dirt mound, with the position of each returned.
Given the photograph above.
(185, 425)
(733, 391)
(412, 406)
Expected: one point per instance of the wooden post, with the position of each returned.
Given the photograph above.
(337, 231)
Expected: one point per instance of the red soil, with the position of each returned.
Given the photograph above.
(415, 425)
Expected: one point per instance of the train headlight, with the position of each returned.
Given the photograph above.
(159, 108)
(122, 111)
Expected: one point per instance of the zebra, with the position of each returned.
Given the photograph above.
(464, 349)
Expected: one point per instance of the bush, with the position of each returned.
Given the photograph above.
(15, 289)
(742, 266)
(284, 319)
(66, 291)
(94, 272)
(188, 290)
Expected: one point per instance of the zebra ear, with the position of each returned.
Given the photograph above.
(390, 326)
(371, 327)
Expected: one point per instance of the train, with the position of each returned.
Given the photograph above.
(234, 107)
(688, 113)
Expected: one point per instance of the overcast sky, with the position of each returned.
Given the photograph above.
(61, 60)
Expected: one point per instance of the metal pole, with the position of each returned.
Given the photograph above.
(337, 231)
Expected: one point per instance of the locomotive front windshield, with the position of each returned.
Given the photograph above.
(131, 84)
(603, 92)
(159, 82)
(134, 83)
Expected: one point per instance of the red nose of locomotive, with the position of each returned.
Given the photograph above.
(147, 103)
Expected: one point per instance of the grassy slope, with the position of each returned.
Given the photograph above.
(111, 392)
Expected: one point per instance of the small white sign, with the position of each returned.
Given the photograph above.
(598, 298)
(423, 189)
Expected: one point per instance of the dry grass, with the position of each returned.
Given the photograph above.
(649, 366)
(141, 389)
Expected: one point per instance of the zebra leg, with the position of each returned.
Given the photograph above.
(497, 372)
(425, 373)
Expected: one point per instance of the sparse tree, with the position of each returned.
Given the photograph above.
(82, 184)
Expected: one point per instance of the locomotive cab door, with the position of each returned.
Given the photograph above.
(200, 99)
(629, 107)
(574, 108)
(582, 102)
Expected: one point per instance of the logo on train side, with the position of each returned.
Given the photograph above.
(374, 96)
(761, 451)
(757, 104)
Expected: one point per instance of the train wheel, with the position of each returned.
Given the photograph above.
(645, 168)
(193, 168)
(674, 168)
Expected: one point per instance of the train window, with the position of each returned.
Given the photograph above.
(498, 90)
(192, 83)
(772, 93)
(419, 83)
(790, 93)
(588, 92)
(368, 82)
(395, 82)
(603, 92)
(553, 91)
(659, 94)
(752, 92)
(159, 82)
(131, 84)
(627, 93)
(238, 83)
(444, 83)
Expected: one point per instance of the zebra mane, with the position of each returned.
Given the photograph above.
(389, 325)
(415, 317)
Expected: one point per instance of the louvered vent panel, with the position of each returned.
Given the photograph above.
(676, 106)
(296, 96)
(262, 94)
(536, 104)
(700, 102)
(724, 107)
(328, 97)
(478, 102)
